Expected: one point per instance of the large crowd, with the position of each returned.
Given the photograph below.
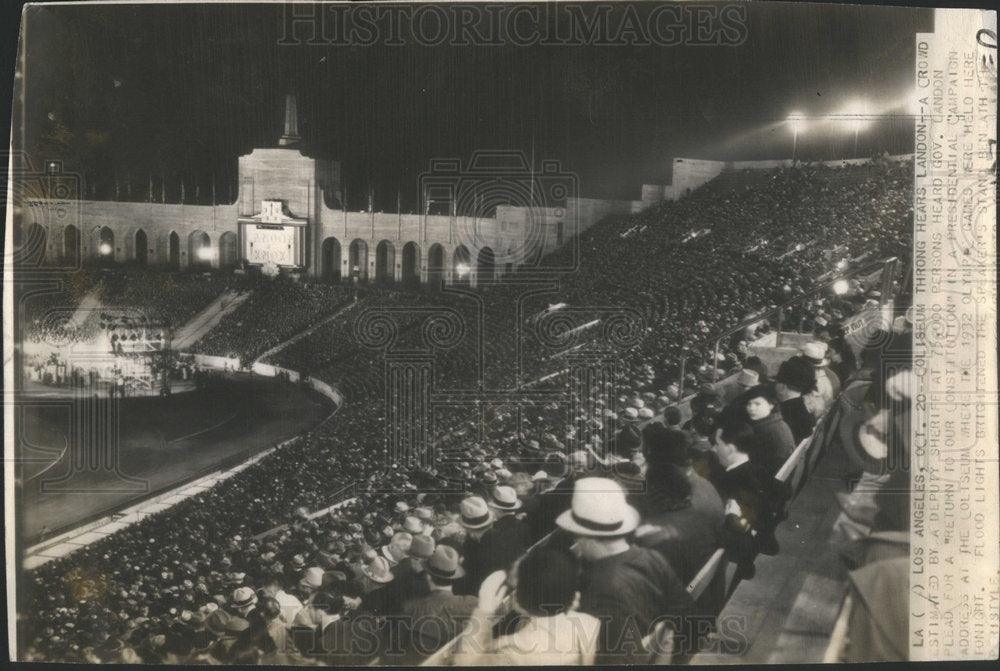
(770, 236)
(101, 324)
(274, 311)
(532, 527)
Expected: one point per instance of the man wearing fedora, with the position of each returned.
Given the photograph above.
(626, 587)
(409, 581)
(827, 382)
(507, 539)
(477, 518)
(243, 601)
(431, 620)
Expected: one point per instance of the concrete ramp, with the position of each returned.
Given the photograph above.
(207, 319)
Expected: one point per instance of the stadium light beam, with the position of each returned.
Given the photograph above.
(853, 118)
(797, 122)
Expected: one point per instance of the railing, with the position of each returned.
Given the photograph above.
(794, 472)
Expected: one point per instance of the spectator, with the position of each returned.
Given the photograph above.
(772, 442)
(435, 618)
(827, 382)
(553, 632)
(796, 378)
(628, 587)
(477, 519)
(751, 493)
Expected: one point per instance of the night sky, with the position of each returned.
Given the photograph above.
(172, 91)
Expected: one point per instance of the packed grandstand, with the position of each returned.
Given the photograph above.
(325, 551)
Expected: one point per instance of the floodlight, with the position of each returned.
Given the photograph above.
(797, 122)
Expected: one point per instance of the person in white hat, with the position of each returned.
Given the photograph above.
(827, 382)
(395, 550)
(243, 601)
(748, 378)
(413, 525)
(440, 606)
(499, 546)
(378, 572)
(625, 586)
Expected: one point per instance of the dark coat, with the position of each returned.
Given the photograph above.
(755, 490)
(798, 418)
(772, 442)
(689, 538)
(628, 592)
(448, 612)
(499, 547)
(543, 509)
(406, 584)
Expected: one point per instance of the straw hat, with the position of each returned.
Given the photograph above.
(378, 570)
(475, 513)
(599, 510)
(815, 353)
(748, 378)
(312, 578)
(505, 498)
(422, 547)
(444, 563)
(242, 597)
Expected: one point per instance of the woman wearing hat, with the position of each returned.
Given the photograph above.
(772, 441)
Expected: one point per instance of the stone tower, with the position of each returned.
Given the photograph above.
(291, 134)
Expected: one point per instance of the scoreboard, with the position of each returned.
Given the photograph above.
(281, 245)
(273, 237)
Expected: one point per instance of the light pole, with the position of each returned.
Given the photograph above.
(796, 121)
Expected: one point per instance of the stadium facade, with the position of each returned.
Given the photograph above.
(289, 213)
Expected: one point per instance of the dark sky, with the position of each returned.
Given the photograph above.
(183, 90)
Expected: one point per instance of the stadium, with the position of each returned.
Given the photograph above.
(266, 420)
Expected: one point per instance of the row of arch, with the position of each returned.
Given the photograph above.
(137, 246)
(409, 269)
(105, 247)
